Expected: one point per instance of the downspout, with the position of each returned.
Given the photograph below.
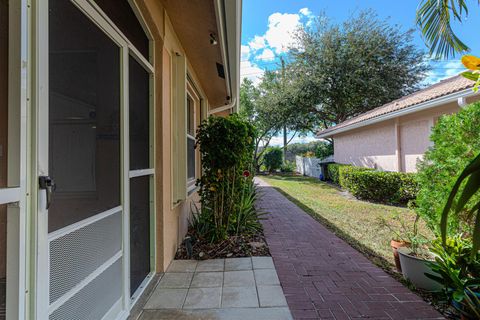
(231, 105)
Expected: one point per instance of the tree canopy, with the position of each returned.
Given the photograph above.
(340, 71)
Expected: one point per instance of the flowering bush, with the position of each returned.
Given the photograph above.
(227, 190)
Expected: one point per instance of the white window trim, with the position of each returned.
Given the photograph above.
(194, 98)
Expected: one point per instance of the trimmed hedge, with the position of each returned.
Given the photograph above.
(333, 173)
(377, 186)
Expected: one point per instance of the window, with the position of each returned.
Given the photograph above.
(190, 143)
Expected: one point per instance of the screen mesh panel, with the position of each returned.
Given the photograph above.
(74, 256)
(95, 299)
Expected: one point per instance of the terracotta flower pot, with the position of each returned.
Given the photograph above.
(395, 245)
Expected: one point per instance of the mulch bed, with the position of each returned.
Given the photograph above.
(233, 247)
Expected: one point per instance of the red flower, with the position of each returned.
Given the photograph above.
(246, 173)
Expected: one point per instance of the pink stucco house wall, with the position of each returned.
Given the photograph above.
(395, 136)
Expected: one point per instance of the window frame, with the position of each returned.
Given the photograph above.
(196, 98)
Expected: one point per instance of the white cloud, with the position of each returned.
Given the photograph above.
(280, 30)
(443, 69)
(250, 71)
(276, 40)
(306, 12)
(266, 55)
(257, 43)
(244, 53)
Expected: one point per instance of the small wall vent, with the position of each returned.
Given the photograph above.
(220, 70)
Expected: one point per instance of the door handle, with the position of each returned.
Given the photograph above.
(48, 184)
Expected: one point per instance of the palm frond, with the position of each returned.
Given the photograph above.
(434, 17)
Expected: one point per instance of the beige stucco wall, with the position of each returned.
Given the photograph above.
(372, 147)
(391, 145)
(171, 219)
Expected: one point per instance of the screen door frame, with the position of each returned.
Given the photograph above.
(41, 130)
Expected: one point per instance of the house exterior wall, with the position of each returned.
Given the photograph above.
(171, 216)
(372, 147)
(392, 145)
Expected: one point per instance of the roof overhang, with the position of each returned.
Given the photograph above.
(194, 22)
(229, 22)
(453, 97)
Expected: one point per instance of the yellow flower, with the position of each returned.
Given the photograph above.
(471, 62)
(212, 189)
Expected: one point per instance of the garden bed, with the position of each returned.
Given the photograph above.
(233, 247)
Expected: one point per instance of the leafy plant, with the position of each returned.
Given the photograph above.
(404, 230)
(456, 141)
(459, 272)
(378, 186)
(226, 146)
(470, 192)
(246, 219)
(333, 172)
(288, 167)
(324, 150)
(273, 158)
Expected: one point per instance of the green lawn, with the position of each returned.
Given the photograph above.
(357, 222)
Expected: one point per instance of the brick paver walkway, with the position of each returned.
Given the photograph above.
(323, 277)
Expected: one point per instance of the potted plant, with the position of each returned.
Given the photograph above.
(415, 261)
(458, 273)
(402, 234)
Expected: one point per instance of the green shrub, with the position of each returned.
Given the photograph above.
(456, 141)
(378, 186)
(324, 150)
(333, 173)
(288, 167)
(273, 158)
(226, 147)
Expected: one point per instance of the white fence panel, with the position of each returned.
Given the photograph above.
(299, 164)
(310, 166)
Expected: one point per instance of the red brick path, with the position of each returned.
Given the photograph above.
(323, 277)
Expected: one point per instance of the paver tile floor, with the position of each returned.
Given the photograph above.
(237, 288)
(322, 276)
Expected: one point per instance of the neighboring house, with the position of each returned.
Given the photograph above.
(395, 136)
(102, 98)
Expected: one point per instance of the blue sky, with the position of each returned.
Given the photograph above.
(267, 27)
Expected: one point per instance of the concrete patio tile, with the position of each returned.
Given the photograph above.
(163, 298)
(211, 265)
(235, 264)
(271, 296)
(203, 298)
(239, 297)
(238, 279)
(176, 280)
(219, 314)
(207, 279)
(266, 277)
(262, 263)
(182, 266)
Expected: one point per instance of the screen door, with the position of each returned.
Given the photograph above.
(80, 166)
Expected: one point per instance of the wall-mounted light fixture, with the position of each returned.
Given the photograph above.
(213, 39)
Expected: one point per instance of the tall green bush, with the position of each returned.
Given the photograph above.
(273, 158)
(456, 141)
(226, 186)
(333, 172)
(379, 186)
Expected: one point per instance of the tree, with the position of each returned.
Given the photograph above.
(434, 17)
(270, 109)
(341, 71)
